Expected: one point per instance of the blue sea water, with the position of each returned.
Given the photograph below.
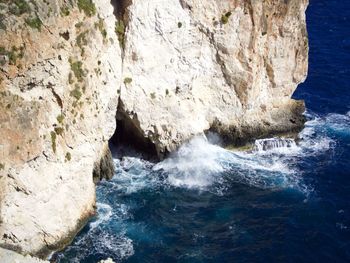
(207, 204)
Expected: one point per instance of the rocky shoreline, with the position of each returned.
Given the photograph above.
(78, 74)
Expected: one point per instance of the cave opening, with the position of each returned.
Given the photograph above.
(120, 7)
(129, 140)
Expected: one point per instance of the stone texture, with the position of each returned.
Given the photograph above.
(8, 256)
(220, 65)
(185, 67)
(56, 117)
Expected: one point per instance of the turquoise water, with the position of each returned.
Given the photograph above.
(207, 204)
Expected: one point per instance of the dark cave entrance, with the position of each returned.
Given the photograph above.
(129, 140)
(120, 7)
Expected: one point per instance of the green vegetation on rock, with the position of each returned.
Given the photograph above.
(53, 141)
(127, 80)
(17, 7)
(100, 26)
(120, 31)
(82, 40)
(76, 93)
(2, 24)
(13, 54)
(77, 68)
(60, 118)
(68, 156)
(87, 6)
(34, 23)
(59, 130)
(225, 17)
(65, 11)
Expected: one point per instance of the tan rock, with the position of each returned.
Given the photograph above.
(8, 256)
(197, 64)
(186, 67)
(57, 110)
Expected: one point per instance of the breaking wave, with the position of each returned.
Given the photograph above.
(199, 165)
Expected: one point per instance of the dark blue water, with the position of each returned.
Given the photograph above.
(206, 204)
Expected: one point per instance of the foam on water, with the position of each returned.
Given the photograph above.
(195, 164)
(104, 213)
(268, 144)
(201, 165)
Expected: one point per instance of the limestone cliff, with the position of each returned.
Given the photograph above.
(230, 66)
(60, 73)
(167, 70)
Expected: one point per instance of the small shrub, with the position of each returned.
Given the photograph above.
(100, 26)
(127, 81)
(77, 68)
(59, 130)
(179, 24)
(65, 11)
(14, 54)
(19, 7)
(120, 31)
(153, 95)
(2, 166)
(60, 118)
(87, 6)
(70, 78)
(53, 141)
(79, 24)
(225, 17)
(34, 23)
(68, 156)
(76, 93)
(2, 25)
(82, 40)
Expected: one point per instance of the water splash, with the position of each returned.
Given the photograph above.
(204, 166)
(263, 145)
(104, 213)
(195, 165)
(199, 165)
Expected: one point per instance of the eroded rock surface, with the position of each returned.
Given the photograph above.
(167, 70)
(60, 71)
(229, 66)
(8, 256)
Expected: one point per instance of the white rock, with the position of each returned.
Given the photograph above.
(8, 256)
(46, 185)
(188, 77)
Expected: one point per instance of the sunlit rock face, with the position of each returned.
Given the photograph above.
(59, 79)
(229, 66)
(166, 70)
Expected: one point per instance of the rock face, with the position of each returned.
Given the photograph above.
(230, 66)
(8, 256)
(60, 72)
(166, 70)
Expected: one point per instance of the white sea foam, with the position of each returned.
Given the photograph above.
(132, 175)
(104, 213)
(195, 164)
(202, 165)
